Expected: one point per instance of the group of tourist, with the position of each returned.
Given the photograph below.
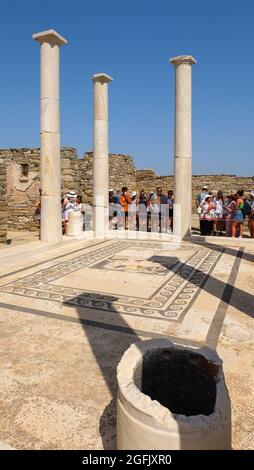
(144, 211)
(133, 211)
(220, 214)
(153, 211)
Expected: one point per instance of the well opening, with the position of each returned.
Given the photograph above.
(182, 381)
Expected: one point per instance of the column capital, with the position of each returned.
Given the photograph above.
(50, 36)
(183, 59)
(101, 77)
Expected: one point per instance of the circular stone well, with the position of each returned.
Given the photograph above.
(172, 397)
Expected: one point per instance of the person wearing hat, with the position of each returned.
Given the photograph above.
(201, 196)
(132, 216)
(207, 215)
(218, 200)
(68, 206)
(72, 196)
(251, 216)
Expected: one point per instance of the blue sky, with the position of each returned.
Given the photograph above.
(132, 40)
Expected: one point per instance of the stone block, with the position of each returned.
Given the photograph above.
(65, 163)
(67, 178)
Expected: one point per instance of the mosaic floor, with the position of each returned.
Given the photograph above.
(138, 279)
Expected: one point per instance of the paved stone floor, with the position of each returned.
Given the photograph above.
(17, 238)
(68, 314)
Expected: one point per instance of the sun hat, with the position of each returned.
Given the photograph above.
(72, 194)
(133, 193)
(110, 190)
(205, 187)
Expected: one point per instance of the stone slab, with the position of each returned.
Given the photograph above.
(60, 348)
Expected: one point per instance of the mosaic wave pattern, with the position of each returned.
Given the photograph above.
(169, 302)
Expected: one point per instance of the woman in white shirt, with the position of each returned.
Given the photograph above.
(67, 207)
(218, 201)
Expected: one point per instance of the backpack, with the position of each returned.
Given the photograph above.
(246, 209)
(143, 200)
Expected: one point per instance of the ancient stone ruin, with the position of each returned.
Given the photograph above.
(20, 182)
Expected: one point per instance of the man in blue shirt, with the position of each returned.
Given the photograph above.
(202, 195)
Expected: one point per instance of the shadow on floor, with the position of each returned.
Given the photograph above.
(231, 251)
(232, 296)
(107, 352)
(120, 336)
(238, 298)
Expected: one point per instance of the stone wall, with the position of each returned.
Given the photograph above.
(77, 174)
(22, 167)
(23, 180)
(148, 180)
(3, 202)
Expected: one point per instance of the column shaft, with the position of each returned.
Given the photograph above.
(101, 155)
(183, 145)
(51, 225)
(50, 165)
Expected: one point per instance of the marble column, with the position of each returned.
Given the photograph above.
(183, 145)
(50, 171)
(100, 155)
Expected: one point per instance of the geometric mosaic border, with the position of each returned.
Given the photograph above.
(170, 301)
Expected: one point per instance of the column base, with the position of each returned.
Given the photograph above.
(51, 220)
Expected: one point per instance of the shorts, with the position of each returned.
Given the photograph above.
(238, 217)
(170, 212)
